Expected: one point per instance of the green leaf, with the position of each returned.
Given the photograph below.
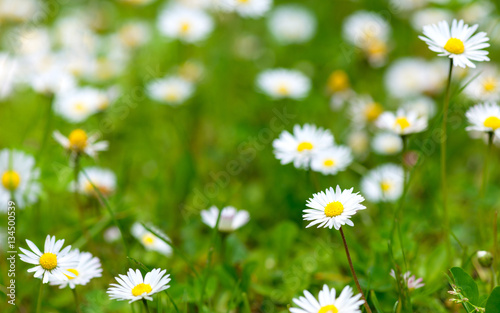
(466, 284)
(374, 300)
(493, 303)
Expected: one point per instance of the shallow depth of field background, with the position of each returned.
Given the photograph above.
(216, 149)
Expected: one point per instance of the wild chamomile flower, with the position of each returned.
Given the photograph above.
(328, 302)
(88, 267)
(19, 178)
(80, 143)
(386, 143)
(424, 106)
(247, 8)
(134, 34)
(103, 179)
(171, 90)
(402, 122)
(230, 218)
(76, 105)
(283, 83)
(364, 110)
(430, 15)
(134, 287)
(484, 117)
(305, 142)
(485, 86)
(332, 160)
(333, 208)
(53, 263)
(457, 43)
(292, 24)
(384, 183)
(150, 241)
(186, 24)
(402, 85)
(9, 69)
(410, 280)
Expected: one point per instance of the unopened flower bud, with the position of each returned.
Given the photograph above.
(485, 258)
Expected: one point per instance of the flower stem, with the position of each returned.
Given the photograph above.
(367, 307)
(145, 302)
(39, 302)
(491, 135)
(77, 301)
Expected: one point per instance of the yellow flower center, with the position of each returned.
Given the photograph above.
(328, 309)
(78, 140)
(72, 270)
(402, 122)
(489, 84)
(455, 46)
(48, 261)
(304, 146)
(172, 95)
(243, 1)
(372, 111)
(185, 27)
(80, 107)
(140, 289)
(333, 209)
(385, 186)
(492, 122)
(338, 81)
(11, 180)
(148, 239)
(283, 90)
(329, 162)
(376, 47)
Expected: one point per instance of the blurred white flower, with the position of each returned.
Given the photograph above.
(358, 141)
(230, 218)
(328, 302)
(19, 179)
(364, 111)
(171, 90)
(387, 143)
(292, 24)
(300, 147)
(76, 105)
(477, 11)
(80, 143)
(332, 160)
(283, 83)
(484, 117)
(383, 183)
(247, 8)
(103, 179)
(88, 267)
(424, 106)
(8, 74)
(134, 34)
(186, 24)
(112, 234)
(429, 16)
(402, 122)
(484, 84)
(150, 241)
(134, 287)
(19, 10)
(407, 77)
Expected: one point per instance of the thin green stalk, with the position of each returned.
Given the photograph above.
(246, 303)
(81, 214)
(495, 247)
(77, 300)
(491, 135)
(145, 302)
(39, 302)
(444, 186)
(367, 307)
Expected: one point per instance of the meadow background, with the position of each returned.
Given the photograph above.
(216, 149)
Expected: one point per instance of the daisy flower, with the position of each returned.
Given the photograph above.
(19, 178)
(150, 241)
(230, 218)
(88, 267)
(364, 110)
(359, 142)
(134, 287)
(80, 143)
(283, 83)
(387, 143)
(424, 106)
(103, 179)
(383, 184)
(332, 160)
(53, 263)
(484, 117)
(429, 16)
(247, 8)
(9, 68)
(76, 105)
(401, 85)
(171, 90)
(333, 208)
(485, 86)
(305, 142)
(292, 24)
(410, 280)
(457, 43)
(402, 122)
(134, 34)
(328, 302)
(186, 24)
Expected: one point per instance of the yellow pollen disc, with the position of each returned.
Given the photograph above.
(11, 180)
(372, 111)
(376, 47)
(80, 107)
(185, 27)
(140, 289)
(328, 309)
(147, 239)
(329, 162)
(333, 209)
(283, 90)
(71, 270)
(492, 122)
(338, 81)
(48, 261)
(489, 85)
(385, 186)
(172, 96)
(455, 46)
(78, 140)
(402, 122)
(304, 146)
(243, 1)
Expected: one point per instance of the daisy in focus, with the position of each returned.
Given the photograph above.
(230, 218)
(484, 117)
(402, 122)
(333, 208)
(186, 24)
(291, 24)
(387, 143)
(383, 184)
(88, 267)
(300, 147)
(458, 42)
(19, 178)
(410, 280)
(103, 179)
(332, 160)
(486, 86)
(329, 302)
(283, 83)
(171, 90)
(134, 287)
(150, 241)
(247, 8)
(80, 143)
(53, 264)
